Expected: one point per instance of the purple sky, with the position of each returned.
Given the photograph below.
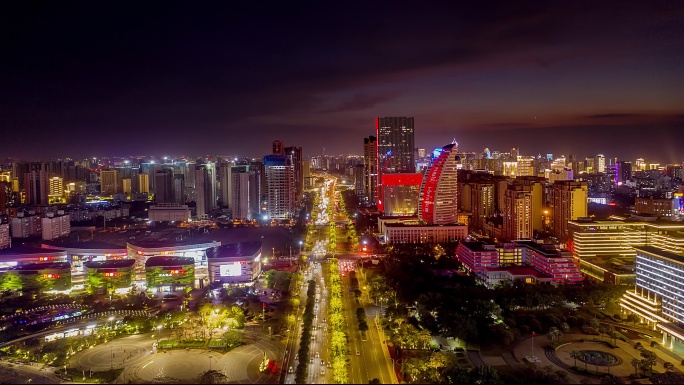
(583, 77)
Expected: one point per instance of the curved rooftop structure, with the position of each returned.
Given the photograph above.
(111, 264)
(238, 251)
(169, 261)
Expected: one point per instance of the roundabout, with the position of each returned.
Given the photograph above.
(597, 357)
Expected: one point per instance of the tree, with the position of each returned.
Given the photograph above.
(575, 355)
(667, 378)
(374, 381)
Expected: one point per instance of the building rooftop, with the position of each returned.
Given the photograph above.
(42, 266)
(111, 264)
(169, 261)
(519, 270)
(660, 253)
(479, 246)
(546, 249)
(235, 250)
(86, 245)
(423, 225)
(26, 251)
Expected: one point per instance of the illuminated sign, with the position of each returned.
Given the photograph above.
(46, 259)
(231, 269)
(112, 274)
(50, 275)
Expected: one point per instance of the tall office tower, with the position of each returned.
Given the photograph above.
(295, 154)
(537, 187)
(56, 186)
(518, 212)
(590, 165)
(623, 172)
(225, 180)
(569, 202)
(203, 187)
(526, 166)
(109, 182)
(127, 186)
(164, 183)
(179, 195)
(395, 146)
(279, 186)
(370, 163)
(143, 183)
(600, 164)
(37, 187)
(482, 203)
(439, 188)
(396, 155)
(240, 193)
(278, 147)
(359, 181)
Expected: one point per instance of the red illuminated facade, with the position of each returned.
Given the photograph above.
(439, 189)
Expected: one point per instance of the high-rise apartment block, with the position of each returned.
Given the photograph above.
(370, 166)
(439, 188)
(164, 186)
(109, 182)
(55, 226)
(296, 158)
(600, 164)
(143, 183)
(623, 172)
(5, 239)
(280, 189)
(569, 202)
(205, 184)
(225, 180)
(518, 212)
(246, 195)
(37, 187)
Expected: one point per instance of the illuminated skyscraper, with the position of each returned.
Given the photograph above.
(280, 190)
(395, 145)
(143, 183)
(396, 155)
(56, 186)
(623, 172)
(600, 164)
(439, 188)
(518, 212)
(569, 202)
(295, 154)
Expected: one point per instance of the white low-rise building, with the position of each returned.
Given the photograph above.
(169, 212)
(404, 233)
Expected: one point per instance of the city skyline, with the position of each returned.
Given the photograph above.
(579, 78)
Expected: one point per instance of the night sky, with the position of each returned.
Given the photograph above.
(129, 78)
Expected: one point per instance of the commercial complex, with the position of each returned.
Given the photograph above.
(101, 267)
(539, 263)
(657, 298)
(424, 233)
(235, 263)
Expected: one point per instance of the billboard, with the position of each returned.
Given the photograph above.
(233, 269)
